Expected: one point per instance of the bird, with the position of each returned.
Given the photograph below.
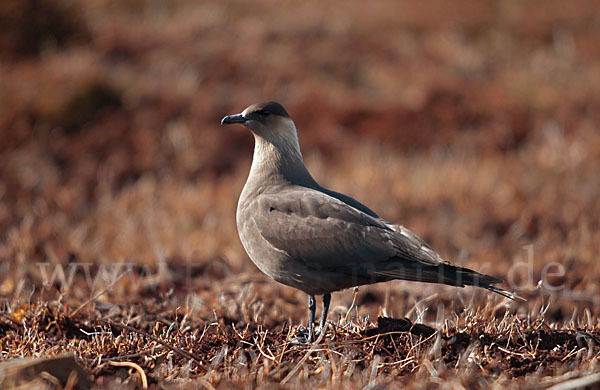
(320, 241)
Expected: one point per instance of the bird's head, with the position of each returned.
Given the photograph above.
(268, 120)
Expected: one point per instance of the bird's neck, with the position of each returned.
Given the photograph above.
(278, 160)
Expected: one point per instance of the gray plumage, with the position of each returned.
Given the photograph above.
(318, 240)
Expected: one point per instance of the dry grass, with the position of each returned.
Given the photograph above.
(476, 127)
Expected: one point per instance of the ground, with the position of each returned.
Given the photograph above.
(475, 125)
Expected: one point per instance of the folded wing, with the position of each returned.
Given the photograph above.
(330, 235)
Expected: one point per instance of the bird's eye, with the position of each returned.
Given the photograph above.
(264, 112)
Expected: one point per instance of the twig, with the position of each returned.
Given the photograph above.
(310, 351)
(139, 369)
(334, 369)
(573, 352)
(351, 305)
(10, 319)
(121, 357)
(155, 339)
(524, 355)
(578, 383)
(395, 332)
(401, 363)
(262, 352)
(370, 355)
(291, 373)
(84, 304)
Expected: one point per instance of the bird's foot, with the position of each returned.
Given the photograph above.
(321, 328)
(301, 336)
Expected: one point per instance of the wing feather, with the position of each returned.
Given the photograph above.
(330, 235)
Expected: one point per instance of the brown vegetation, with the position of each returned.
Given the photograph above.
(475, 125)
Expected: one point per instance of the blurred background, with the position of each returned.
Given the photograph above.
(475, 125)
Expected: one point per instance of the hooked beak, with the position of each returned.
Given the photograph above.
(229, 119)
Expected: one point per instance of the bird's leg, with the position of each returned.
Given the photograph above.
(326, 301)
(312, 307)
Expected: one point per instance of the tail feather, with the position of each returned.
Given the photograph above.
(507, 294)
(445, 273)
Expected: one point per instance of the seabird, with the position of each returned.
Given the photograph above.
(320, 241)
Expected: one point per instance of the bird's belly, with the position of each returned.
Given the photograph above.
(284, 269)
(273, 262)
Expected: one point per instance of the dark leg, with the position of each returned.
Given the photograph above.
(326, 301)
(312, 307)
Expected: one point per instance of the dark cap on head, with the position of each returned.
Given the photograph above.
(267, 108)
(258, 112)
